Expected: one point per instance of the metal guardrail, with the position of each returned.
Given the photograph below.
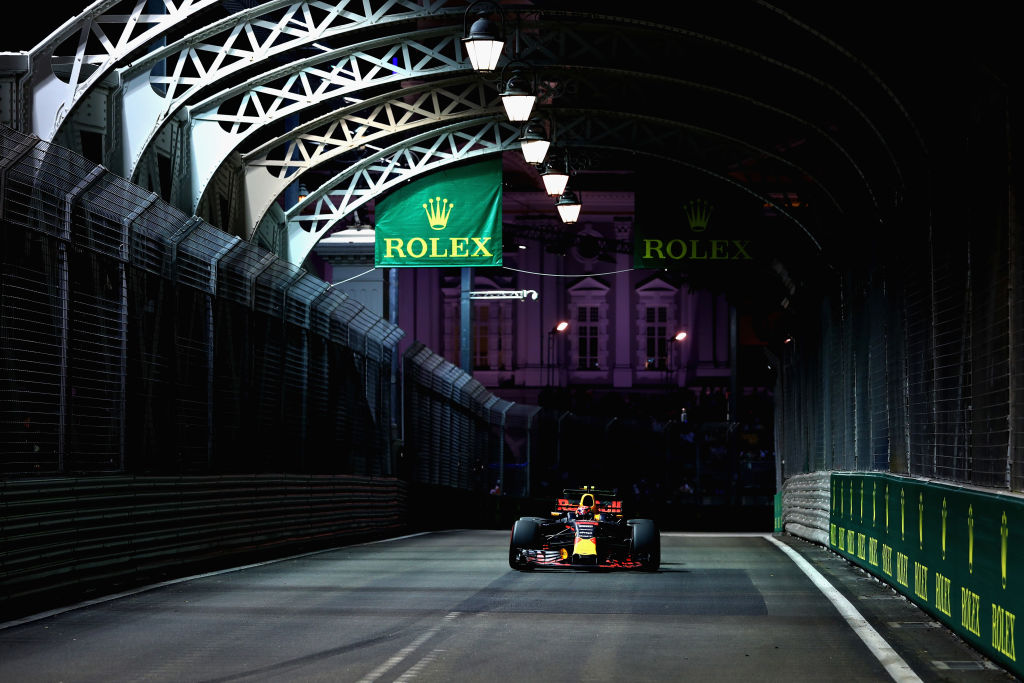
(69, 534)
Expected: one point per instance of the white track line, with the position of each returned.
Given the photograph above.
(893, 663)
(394, 661)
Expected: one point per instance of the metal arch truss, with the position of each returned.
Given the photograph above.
(155, 87)
(196, 61)
(306, 82)
(269, 170)
(220, 124)
(310, 219)
(53, 97)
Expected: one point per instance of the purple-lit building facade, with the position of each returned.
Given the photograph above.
(621, 320)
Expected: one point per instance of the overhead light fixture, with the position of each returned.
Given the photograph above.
(518, 98)
(680, 336)
(303, 191)
(555, 180)
(483, 40)
(568, 205)
(534, 143)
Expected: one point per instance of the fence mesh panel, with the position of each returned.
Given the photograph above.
(135, 338)
(920, 352)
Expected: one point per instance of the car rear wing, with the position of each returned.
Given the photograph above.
(605, 501)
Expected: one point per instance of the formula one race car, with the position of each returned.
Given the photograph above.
(589, 534)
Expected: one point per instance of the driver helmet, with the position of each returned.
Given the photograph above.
(586, 506)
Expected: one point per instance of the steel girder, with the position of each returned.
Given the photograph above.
(185, 67)
(222, 123)
(558, 43)
(158, 86)
(334, 134)
(57, 81)
(359, 126)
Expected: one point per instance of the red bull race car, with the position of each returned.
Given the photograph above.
(586, 531)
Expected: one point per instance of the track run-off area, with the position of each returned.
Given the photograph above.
(445, 606)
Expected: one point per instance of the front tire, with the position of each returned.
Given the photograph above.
(646, 544)
(525, 536)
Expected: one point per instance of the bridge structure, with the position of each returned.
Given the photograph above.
(170, 167)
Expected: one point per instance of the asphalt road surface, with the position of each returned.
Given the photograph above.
(445, 606)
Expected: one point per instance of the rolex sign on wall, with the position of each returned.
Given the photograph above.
(696, 237)
(450, 218)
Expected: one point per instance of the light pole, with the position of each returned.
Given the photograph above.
(562, 326)
(678, 337)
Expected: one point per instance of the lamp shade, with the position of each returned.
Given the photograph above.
(568, 205)
(554, 180)
(534, 143)
(483, 45)
(518, 99)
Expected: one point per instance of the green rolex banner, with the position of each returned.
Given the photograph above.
(687, 225)
(449, 218)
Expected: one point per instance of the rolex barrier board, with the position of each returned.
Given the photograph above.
(952, 550)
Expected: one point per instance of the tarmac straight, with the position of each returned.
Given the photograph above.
(445, 606)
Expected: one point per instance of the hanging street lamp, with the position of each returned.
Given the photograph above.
(555, 179)
(568, 205)
(483, 40)
(534, 143)
(518, 98)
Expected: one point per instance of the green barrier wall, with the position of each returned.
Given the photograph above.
(778, 512)
(949, 549)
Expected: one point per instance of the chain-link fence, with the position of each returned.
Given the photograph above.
(458, 434)
(134, 338)
(914, 363)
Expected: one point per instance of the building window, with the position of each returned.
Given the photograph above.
(589, 313)
(656, 315)
(656, 334)
(491, 343)
(587, 337)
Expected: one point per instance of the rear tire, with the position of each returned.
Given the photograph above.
(646, 544)
(525, 536)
